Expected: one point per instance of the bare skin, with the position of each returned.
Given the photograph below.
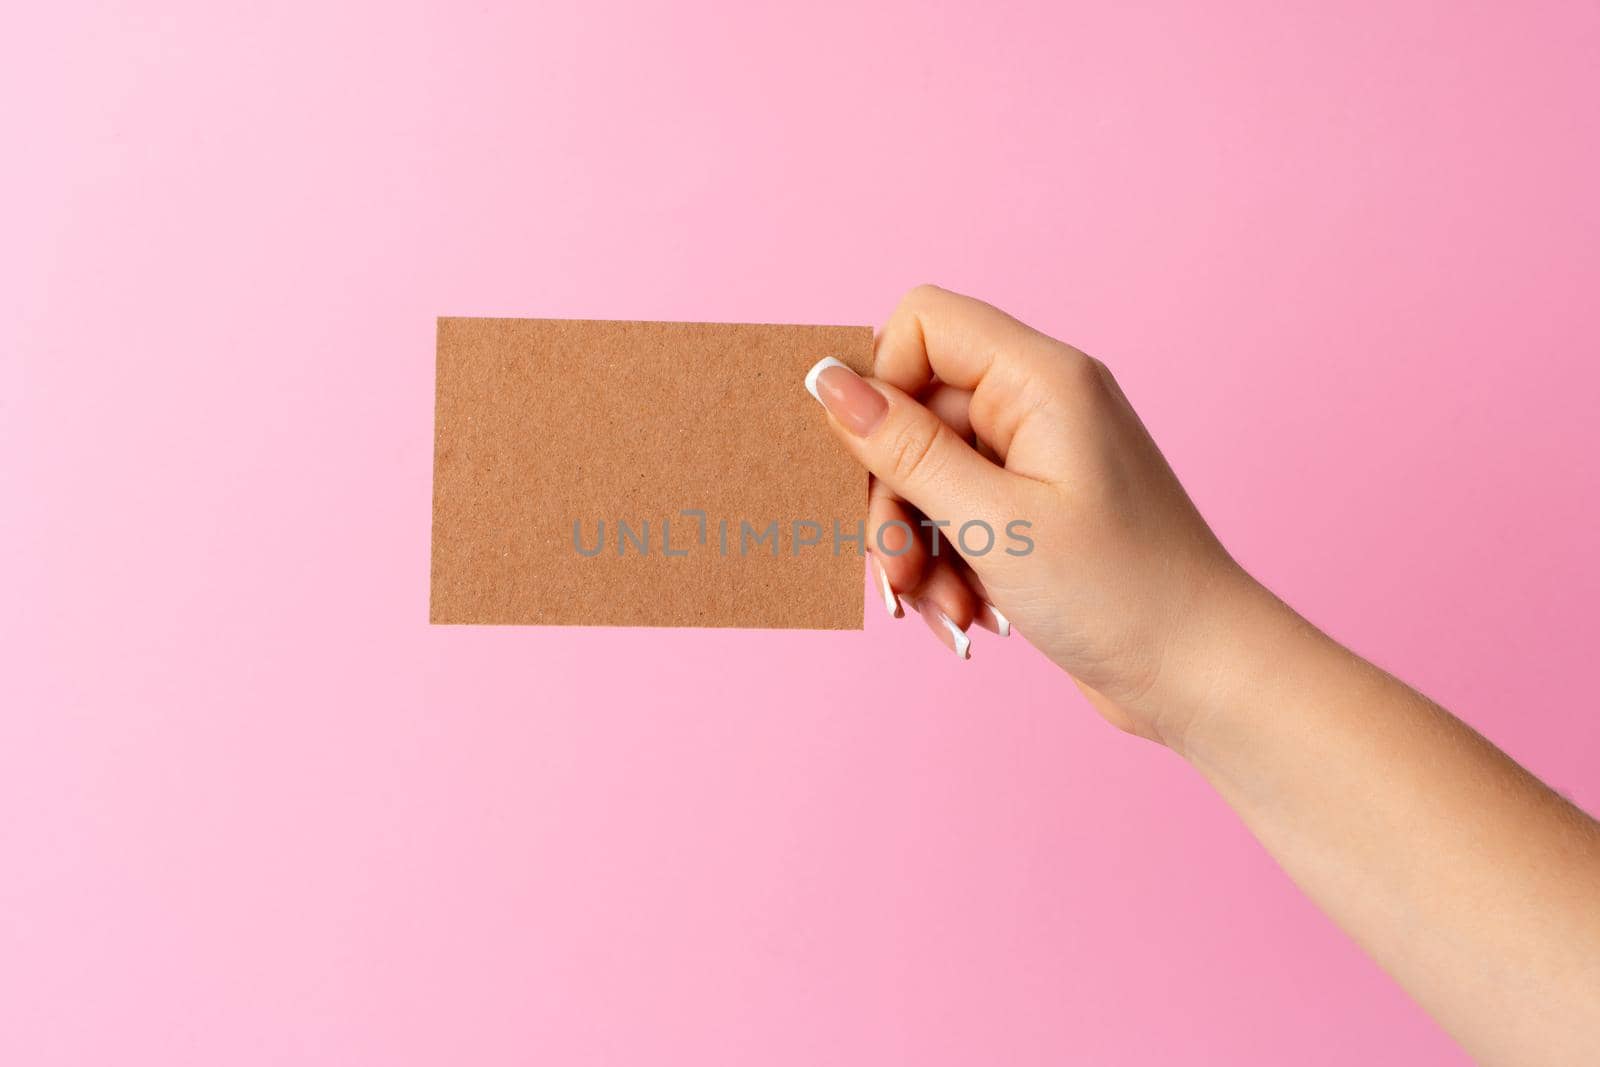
(1473, 884)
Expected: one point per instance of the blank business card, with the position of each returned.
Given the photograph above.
(642, 474)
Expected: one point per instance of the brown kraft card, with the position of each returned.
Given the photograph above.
(642, 474)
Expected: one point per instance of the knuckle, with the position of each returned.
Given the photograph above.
(1083, 374)
(918, 299)
(913, 450)
(1080, 366)
(1037, 396)
(988, 407)
(1106, 384)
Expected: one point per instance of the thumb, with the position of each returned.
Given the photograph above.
(908, 447)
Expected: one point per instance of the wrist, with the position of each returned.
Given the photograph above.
(1237, 643)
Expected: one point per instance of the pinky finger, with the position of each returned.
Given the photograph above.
(985, 614)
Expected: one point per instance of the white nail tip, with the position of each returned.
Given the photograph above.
(811, 375)
(891, 603)
(963, 642)
(1002, 623)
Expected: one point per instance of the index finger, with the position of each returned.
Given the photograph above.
(958, 339)
(1010, 370)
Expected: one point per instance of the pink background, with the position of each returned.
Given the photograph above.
(253, 810)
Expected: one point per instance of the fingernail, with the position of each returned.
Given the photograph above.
(891, 603)
(857, 405)
(945, 629)
(990, 618)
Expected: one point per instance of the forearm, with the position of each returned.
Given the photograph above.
(1462, 875)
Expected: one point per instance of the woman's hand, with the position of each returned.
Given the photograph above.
(1472, 883)
(1055, 508)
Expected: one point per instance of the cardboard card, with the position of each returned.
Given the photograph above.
(642, 474)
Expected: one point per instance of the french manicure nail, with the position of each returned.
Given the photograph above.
(858, 406)
(945, 629)
(992, 619)
(891, 603)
